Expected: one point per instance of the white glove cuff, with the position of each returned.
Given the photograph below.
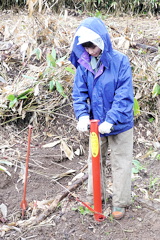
(83, 123)
(84, 118)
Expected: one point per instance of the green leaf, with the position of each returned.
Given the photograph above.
(137, 167)
(11, 97)
(24, 94)
(51, 60)
(60, 89)
(158, 157)
(98, 14)
(154, 181)
(136, 107)
(23, 97)
(38, 53)
(156, 90)
(135, 170)
(12, 103)
(136, 163)
(69, 69)
(53, 53)
(82, 210)
(52, 85)
(151, 119)
(29, 77)
(4, 170)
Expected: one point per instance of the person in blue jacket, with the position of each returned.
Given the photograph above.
(103, 90)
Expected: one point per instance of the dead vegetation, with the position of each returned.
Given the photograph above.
(34, 55)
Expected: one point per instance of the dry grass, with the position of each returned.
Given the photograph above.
(20, 69)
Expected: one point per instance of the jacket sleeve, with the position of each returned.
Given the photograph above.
(122, 106)
(80, 94)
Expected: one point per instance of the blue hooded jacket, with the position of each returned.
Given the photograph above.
(106, 95)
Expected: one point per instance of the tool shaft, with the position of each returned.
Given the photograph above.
(24, 202)
(96, 171)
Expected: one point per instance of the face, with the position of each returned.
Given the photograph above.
(95, 51)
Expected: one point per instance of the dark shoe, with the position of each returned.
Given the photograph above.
(118, 212)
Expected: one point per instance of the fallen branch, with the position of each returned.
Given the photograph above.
(42, 216)
(148, 48)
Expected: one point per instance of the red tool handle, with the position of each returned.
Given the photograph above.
(24, 202)
(96, 170)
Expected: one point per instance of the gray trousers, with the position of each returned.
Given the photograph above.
(121, 146)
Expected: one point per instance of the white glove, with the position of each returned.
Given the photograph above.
(105, 127)
(83, 124)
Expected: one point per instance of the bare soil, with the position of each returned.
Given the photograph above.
(67, 222)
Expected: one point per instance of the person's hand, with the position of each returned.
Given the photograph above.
(105, 127)
(83, 124)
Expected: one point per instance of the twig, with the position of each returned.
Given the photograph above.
(37, 219)
(60, 165)
(54, 4)
(60, 197)
(123, 231)
(13, 119)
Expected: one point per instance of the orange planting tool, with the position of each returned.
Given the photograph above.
(24, 202)
(96, 170)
